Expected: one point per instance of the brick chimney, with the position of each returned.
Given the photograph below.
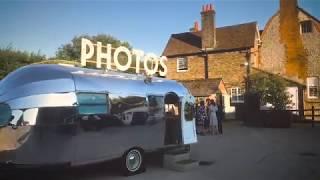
(288, 7)
(296, 57)
(208, 27)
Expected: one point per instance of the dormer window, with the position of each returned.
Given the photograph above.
(306, 27)
(182, 64)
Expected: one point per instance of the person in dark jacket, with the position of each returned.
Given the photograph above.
(220, 117)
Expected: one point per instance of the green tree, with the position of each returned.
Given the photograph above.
(11, 59)
(72, 50)
(271, 89)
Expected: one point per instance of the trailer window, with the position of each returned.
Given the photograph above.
(189, 111)
(17, 117)
(30, 116)
(156, 107)
(5, 114)
(92, 103)
(48, 116)
(156, 104)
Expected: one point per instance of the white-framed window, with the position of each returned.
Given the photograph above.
(313, 87)
(237, 95)
(306, 26)
(182, 64)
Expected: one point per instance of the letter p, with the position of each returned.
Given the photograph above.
(84, 54)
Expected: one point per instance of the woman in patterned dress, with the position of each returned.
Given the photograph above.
(202, 117)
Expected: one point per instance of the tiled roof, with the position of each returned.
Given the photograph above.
(227, 38)
(202, 87)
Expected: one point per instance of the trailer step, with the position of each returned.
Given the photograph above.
(179, 161)
(183, 165)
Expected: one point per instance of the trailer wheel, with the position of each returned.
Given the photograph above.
(133, 162)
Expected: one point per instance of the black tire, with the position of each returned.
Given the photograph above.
(133, 162)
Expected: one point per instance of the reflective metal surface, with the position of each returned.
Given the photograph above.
(79, 116)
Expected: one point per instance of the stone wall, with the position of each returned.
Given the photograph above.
(273, 53)
(311, 43)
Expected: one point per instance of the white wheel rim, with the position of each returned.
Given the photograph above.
(133, 160)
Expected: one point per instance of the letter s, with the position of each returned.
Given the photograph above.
(164, 66)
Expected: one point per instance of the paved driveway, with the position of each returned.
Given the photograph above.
(241, 153)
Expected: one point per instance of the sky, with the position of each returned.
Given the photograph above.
(45, 25)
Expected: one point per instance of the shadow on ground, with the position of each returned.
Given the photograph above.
(106, 169)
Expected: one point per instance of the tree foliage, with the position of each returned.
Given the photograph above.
(271, 89)
(11, 59)
(72, 50)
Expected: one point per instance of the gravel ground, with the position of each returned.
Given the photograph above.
(240, 153)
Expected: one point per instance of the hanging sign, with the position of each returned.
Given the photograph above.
(110, 56)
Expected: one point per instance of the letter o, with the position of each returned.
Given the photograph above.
(116, 61)
(145, 63)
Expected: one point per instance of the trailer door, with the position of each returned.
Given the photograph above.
(189, 134)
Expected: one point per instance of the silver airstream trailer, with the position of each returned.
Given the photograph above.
(54, 114)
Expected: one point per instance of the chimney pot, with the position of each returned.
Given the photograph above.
(196, 26)
(208, 30)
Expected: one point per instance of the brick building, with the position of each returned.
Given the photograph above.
(213, 59)
(290, 47)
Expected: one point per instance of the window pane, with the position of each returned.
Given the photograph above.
(233, 92)
(56, 115)
(86, 98)
(156, 108)
(234, 98)
(306, 26)
(17, 114)
(189, 111)
(241, 91)
(93, 109)
(90, 103)
(30, 116)
(182, 64)
(5, 114)
(237, 95)
(313, 91)
(240, 98)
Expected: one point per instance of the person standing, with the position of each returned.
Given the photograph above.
(220, 117)
(202, 116)
(212, 114)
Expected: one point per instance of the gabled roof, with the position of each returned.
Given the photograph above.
(287, 79)
(312, 17)
(227, 38)
(203, 87)
(278, 12)
(308, 14)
